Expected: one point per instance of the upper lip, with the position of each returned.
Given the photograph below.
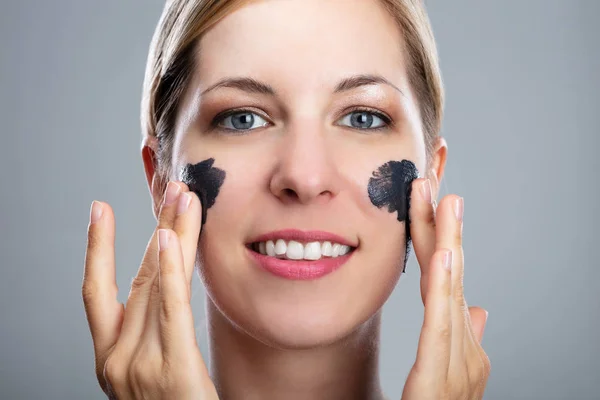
(304, 236)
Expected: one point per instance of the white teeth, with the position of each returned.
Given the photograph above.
(326, 249)
(335, 250)
(294, 250)
(280, 247)
(270, 248)
(312, 251)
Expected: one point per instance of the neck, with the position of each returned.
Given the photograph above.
(245, 368)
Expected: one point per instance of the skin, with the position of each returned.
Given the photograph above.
(305, 167)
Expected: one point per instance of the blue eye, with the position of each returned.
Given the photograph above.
(365, 119)
(247, 120)
(239, 120)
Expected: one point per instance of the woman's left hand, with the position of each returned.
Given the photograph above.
(451, 363)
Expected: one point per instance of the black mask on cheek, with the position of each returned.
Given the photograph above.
(390, 187)
(204, 180)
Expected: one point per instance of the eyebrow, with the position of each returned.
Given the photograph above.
(252, 85)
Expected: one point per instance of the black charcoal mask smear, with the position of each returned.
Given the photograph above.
(390, 186)
(204, 180)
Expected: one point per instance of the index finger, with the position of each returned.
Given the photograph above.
(422, 228)
(187, 225)
(99, 288)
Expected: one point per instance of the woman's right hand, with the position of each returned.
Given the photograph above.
(147, 349)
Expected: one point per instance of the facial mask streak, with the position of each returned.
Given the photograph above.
(391, 186)
(204, 180)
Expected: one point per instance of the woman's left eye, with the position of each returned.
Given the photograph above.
(366, 120)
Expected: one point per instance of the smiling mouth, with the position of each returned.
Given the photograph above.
(296, 250)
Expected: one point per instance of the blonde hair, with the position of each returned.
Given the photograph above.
(171, 61)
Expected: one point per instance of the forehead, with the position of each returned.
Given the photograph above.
(317, 40)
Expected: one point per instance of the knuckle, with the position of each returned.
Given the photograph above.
(459, 293)
(144, 372)
(445, 331)
(142, 279)
(478, 375)
(114, 372)
(440, 329)
(140, 375)
(171, 307)
(89, 291)
(155, 288)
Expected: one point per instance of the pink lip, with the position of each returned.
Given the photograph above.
(302, 269)
(303, 236)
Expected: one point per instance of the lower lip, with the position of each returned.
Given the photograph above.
(302, 269)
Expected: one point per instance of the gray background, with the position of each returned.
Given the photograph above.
(522, 123)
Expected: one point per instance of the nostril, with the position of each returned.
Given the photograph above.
(290, 193)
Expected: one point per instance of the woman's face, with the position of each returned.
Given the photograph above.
(300, 158)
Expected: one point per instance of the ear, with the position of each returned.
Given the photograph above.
(155, 184)
(437, 165)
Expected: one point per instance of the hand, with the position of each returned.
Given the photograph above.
(147, 349)
(451, 363)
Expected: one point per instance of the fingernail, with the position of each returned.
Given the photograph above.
(184, 203)
(96, 211)
(163, 239)
(459, 208)
(172, 193)
(447, 259)
(426, 191)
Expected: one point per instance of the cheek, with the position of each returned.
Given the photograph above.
(222, 243)
(390, 187)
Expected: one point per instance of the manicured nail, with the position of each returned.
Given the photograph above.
(426, 191)
(163, 239)
(172, 193)
(459, 208)
(447, 259)
(96, 211)
(183, 203)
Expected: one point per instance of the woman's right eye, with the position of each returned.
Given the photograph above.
(239, 120)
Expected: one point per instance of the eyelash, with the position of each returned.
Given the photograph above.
(219, 118)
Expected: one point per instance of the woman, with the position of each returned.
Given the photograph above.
(293, 134)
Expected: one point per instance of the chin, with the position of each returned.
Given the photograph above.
(302, 329)
(302, 319)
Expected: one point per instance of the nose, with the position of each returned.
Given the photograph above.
(306, 171)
